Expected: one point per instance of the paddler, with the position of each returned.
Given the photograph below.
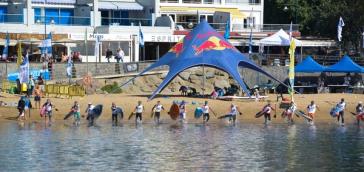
(21, 108)
(341, 106)
(114, 113)
(156, 111)
(182, 110)
(234, 110)
(205, 111)
(267, 109)
(311, 110)
(138, 112)
(76, 113)
(88, 110)
(359, 112)
(289, 112)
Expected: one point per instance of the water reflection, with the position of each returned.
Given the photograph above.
(188, 147)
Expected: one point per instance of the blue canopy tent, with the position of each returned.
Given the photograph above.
(309, 65)
(345, 65)
(203, 46)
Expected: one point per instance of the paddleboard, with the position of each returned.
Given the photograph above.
(334, 112)
(225, 116)
(174, 111)
(96, 111)
(68, 115)
(260, 113)
(42, 111)
(131, 115)
(301, 113)
(198, 112)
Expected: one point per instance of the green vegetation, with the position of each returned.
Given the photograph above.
(113, 88)
(320, 17)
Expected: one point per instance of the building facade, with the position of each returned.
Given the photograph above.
(75, 24)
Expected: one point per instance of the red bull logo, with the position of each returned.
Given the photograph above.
(177, 49)
(213, 43)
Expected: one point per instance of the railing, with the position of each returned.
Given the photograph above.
(11, 18)
(227, 2)
(63, 20)
(264, 27)
(125, 21)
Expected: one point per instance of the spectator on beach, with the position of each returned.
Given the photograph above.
(120, 55)
(30, 86)
(63, 57)
(40, 82)
(37, 96)
(108, 55)
(347, 79)
(50, 67)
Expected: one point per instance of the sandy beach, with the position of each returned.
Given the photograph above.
(128, 102)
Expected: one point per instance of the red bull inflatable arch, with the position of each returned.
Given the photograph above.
(203, 46)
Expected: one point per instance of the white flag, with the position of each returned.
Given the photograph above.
(24, 70)
(340, 26)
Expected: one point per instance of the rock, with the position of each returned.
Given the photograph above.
(194, 77)
(184, 75)
(198, 72)
(221, 83)
(209, 75)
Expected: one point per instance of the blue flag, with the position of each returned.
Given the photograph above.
(24, 70)
(6, 47)
(340, 26)
(47, 44)
(141, 36)
(227, 29)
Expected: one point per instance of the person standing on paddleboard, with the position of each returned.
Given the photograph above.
(267, 109)
(48, 110)
(139, 112)
(341, 105)
(76, 113)
(234, 110)
(182, 111)
(359, 112)
(311, 110)
(156, 110)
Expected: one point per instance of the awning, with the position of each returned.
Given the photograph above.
(236, 14)
(54, 1)
(111, 5)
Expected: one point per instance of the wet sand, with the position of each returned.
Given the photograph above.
(128, 103)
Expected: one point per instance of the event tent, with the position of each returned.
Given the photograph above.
(280, 38)
(203, 46)
(345, 65)
(309, 65)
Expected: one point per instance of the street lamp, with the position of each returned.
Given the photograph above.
(286, 8)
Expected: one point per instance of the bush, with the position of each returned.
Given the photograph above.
(113, 89)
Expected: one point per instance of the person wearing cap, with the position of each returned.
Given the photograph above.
(341, 106)
(182, 110)
(359, 112)
(267, 109)
(234, 110)
(156, 110)
(138, 112)
(311, 110)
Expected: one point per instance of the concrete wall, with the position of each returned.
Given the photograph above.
(101, 69)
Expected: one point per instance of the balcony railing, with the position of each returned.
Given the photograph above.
(63, 20)
(106, 21)
(193, 1)
(11, 18)
(240, 27)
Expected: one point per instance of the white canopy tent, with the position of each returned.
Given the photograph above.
(280, 38)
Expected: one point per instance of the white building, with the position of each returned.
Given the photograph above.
(116, 22)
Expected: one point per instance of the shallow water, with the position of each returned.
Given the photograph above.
(191, 147)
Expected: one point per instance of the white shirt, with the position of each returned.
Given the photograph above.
(311, 108)
(182, 108)
(121, 53)
(205, 109)
(90, 108)
(268, 109)
(341, 106)
(139, 109)
(49, 107)
(158, 108)
(234, 110)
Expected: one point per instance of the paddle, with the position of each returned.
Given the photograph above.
(152, 114)
(213, 112)
(131, 115)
